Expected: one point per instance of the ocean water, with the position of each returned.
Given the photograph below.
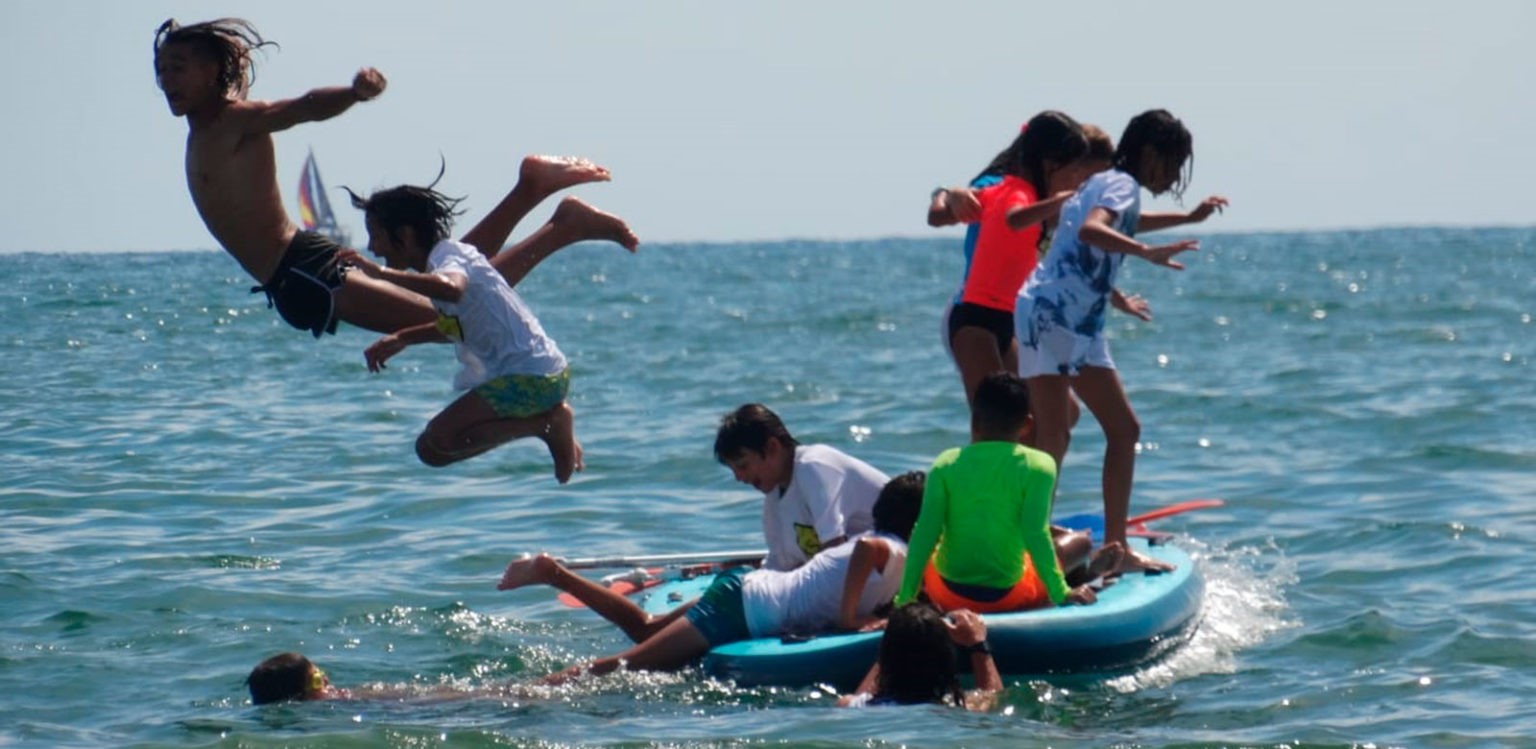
(187, 486)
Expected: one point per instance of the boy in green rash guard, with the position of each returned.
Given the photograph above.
(987, 509)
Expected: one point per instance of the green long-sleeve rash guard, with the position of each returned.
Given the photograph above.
(988, 502)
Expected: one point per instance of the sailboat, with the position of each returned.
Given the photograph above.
(315, 208)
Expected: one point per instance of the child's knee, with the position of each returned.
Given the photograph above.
(1128, 431)
(429, 453)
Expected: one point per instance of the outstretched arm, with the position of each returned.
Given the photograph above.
(318, 104)
(385, 348)
(953, 205)
(1163, 220)
(1097, 231)
(1034, 213)
(446, 286)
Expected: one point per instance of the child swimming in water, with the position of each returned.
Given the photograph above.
(1060, 311)
(205, 71)
(516, 377)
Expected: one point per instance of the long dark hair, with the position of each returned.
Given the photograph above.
(917, 659)
(227, 41)
(428, 212)
(1048, 136)
(1168, 139)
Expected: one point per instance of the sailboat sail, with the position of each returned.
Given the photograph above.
(314, 207)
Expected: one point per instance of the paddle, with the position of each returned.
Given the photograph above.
(1093, 522)
(642, 560)
(640, 578)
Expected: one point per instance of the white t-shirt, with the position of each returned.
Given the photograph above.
(808, 599)
(830, 494)
(494, 332)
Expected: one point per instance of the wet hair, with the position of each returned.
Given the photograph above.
(428, 212)
(1168, 139)
(226, 41)
(1048, 136)
(917, 659)
(1101, 147)
(283, 677)
(749, 428)
(895, 511)
(1001, 403)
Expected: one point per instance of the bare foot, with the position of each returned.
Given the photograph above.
(589, 223)
(560, 436)
(1134, 562)
(550, 174)
(526, 570)
(1105, 559)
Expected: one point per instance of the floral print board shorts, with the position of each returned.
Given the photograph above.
(518, 396)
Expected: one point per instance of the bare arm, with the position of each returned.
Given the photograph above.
(448, 287)
(1034, 213)
(1163, 220)
(318, 104)
(383, 349)
(953, 205)
(969, 632)
(869, 555)
(865, 691)
(1098, 232)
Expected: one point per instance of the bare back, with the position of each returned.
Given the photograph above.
(232, 175)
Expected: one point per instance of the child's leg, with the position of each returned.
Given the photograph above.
(1105, 397)
(1050, 398)
(469, 427)
(537, 178)
(976, 357)
(572, 222)
(675, 646)
(624, 613)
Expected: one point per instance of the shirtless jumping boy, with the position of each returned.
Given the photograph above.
(206, 69)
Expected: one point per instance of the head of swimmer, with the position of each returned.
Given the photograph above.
(406, 222)
(1158, 151)
(289, 677)
(917, 660)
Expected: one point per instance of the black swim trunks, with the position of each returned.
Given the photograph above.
(996, 322)
(304, 286)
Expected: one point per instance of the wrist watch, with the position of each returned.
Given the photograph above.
(980, 647)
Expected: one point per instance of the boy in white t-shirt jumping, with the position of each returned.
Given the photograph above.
(515, 376)
(814, 496)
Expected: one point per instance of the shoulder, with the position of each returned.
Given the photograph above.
(985, 180)
(946, 458)
(1035, 460)
(823, 455)
(1115, 182)
(449, 254)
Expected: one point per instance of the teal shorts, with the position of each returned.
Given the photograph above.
(719, 614)
(519, 396)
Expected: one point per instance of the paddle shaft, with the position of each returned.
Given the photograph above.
(641, 560)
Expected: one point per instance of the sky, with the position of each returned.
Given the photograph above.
(794, 119)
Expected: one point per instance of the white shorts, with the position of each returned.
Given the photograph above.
(1046, 348)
